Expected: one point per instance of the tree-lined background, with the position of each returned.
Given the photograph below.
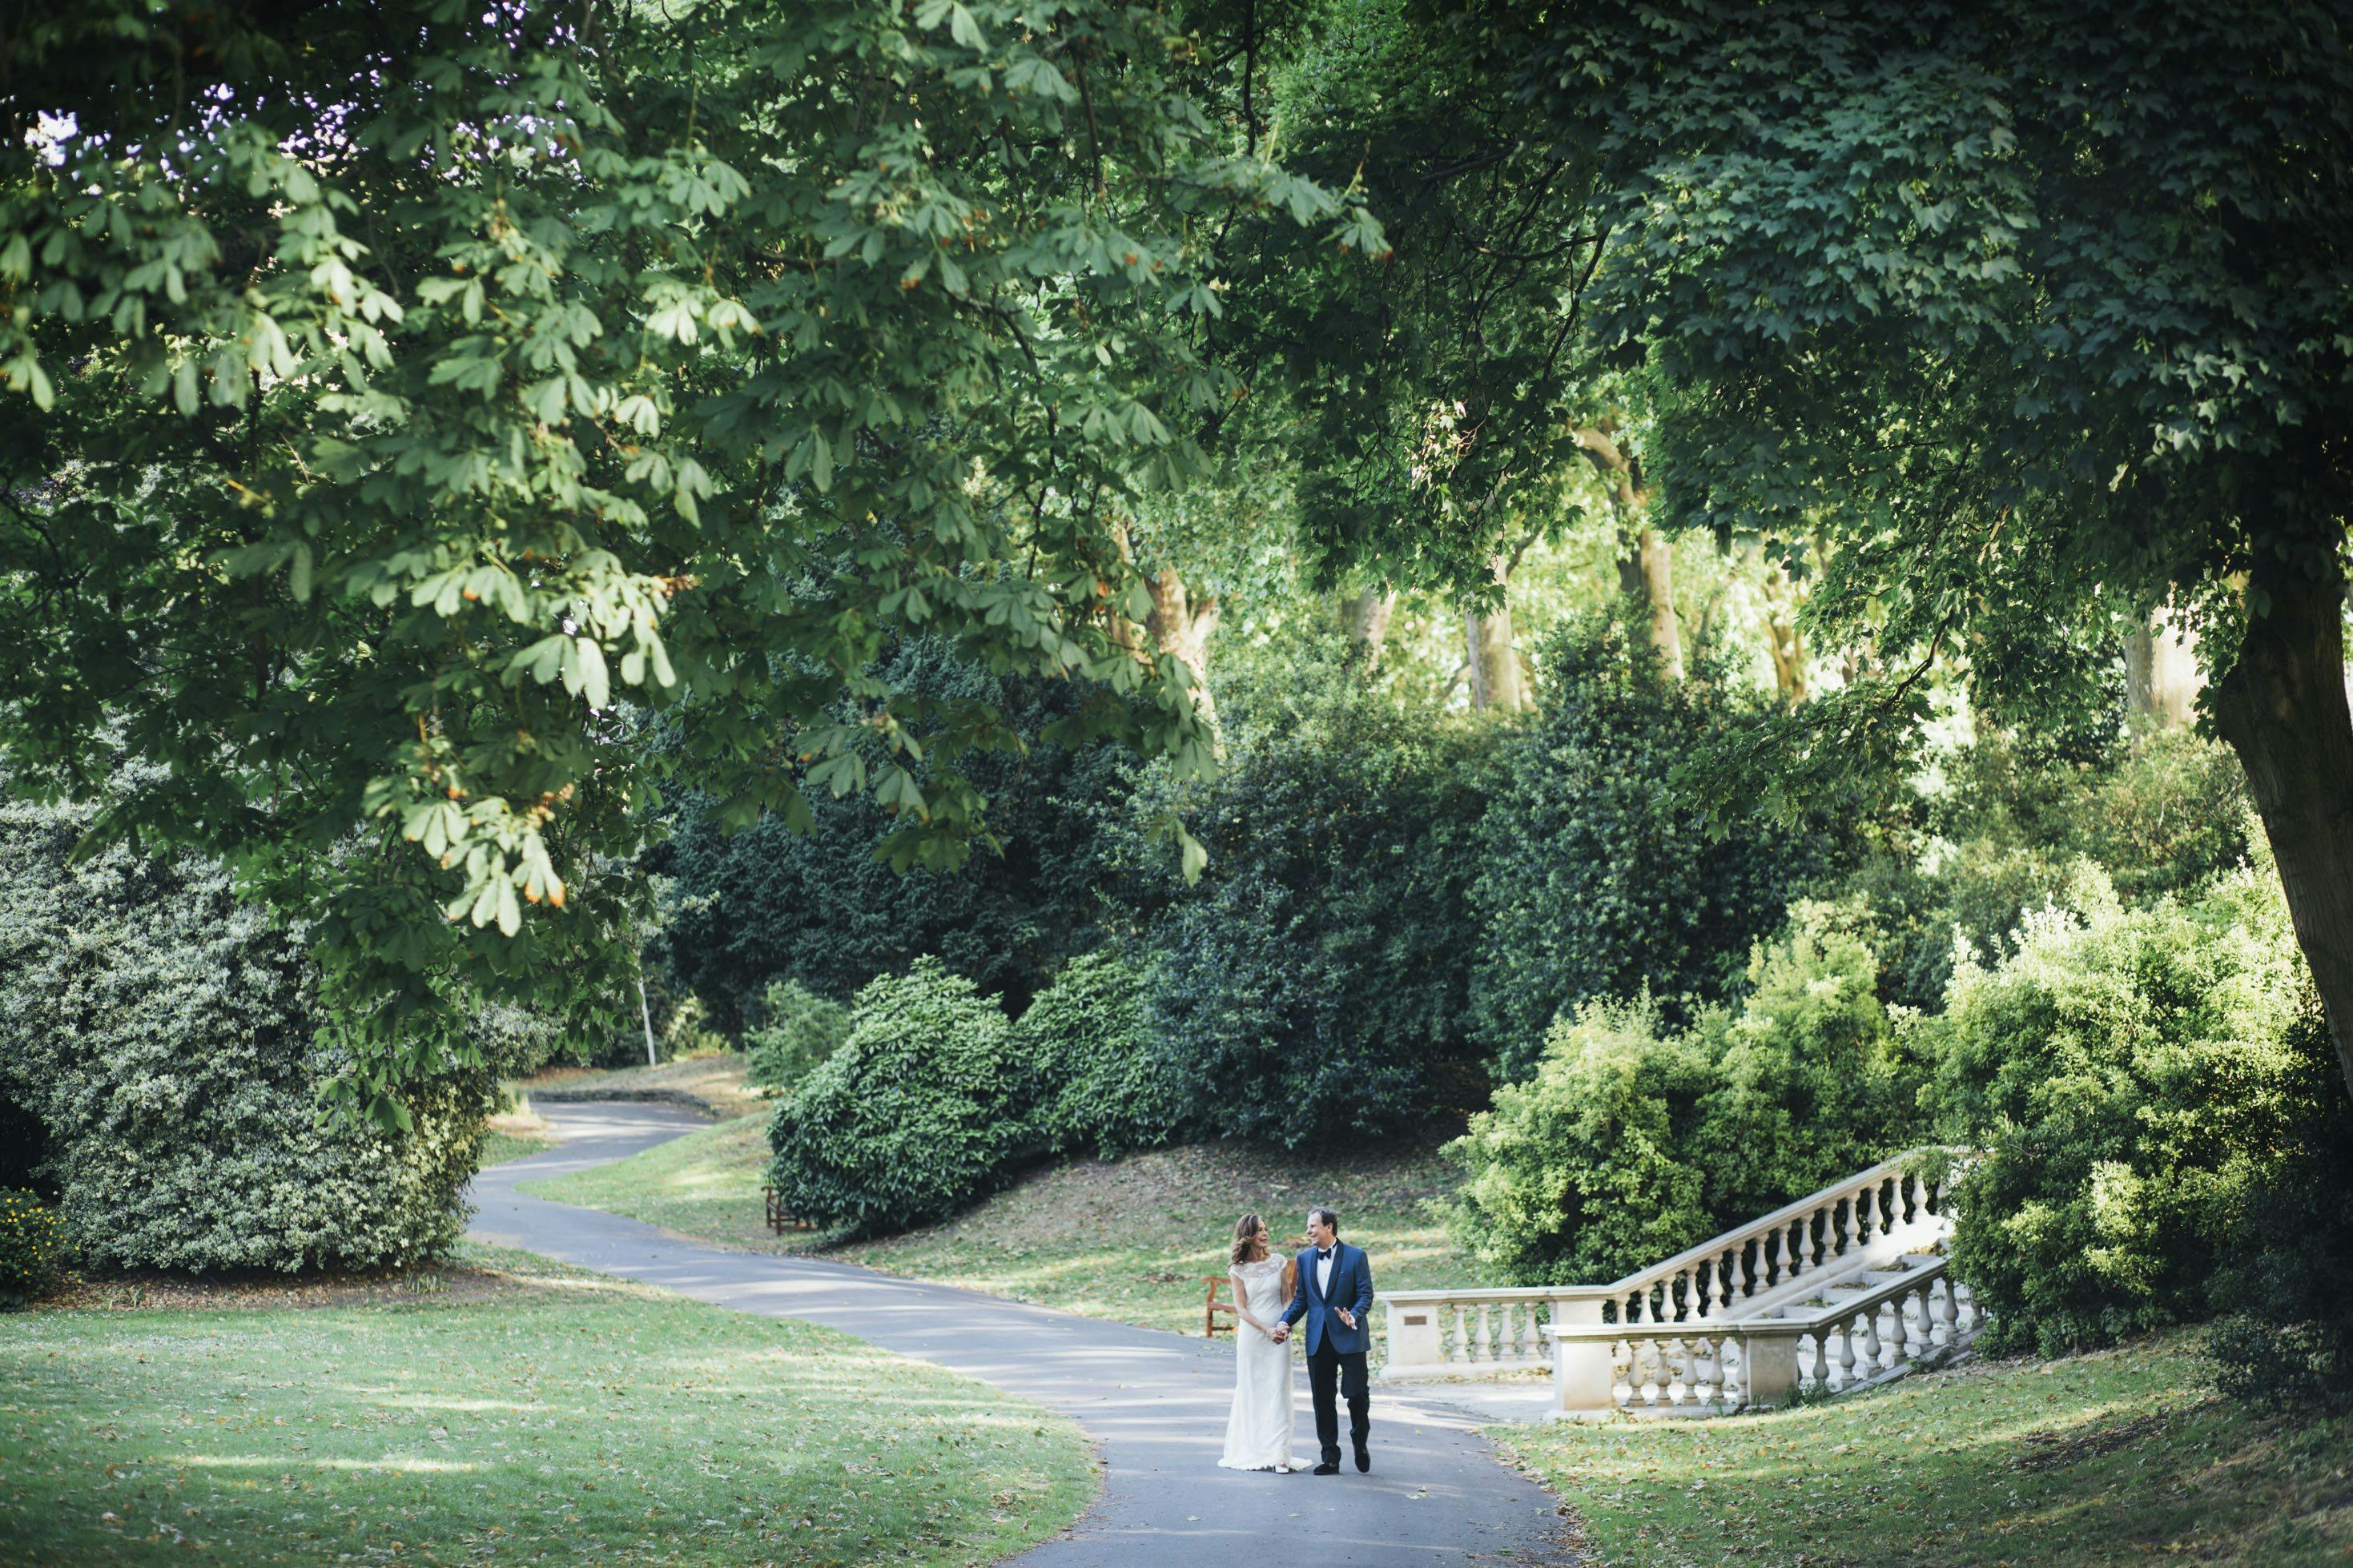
(1719, 593)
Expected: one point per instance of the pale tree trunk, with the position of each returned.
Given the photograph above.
(1647, 570)
(1787, 643)
(1365, 618)
(2282, 707)
(1180, 625)
(1497, 680)
(2161, 676)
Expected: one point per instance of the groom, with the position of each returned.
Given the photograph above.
(1334, 1295)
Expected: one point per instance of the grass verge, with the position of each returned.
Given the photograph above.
(571, 1417)
(2119, 1457)
(1130, 1240)
(515, 1133)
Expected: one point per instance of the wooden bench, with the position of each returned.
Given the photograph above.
(1215, 1303)
(778, 1220)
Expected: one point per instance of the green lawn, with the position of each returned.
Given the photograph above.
(2121, 1457)
(1130, 1239)
(560, 1416)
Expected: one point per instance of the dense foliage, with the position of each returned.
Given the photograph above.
(1634, 1139)
(1597, 875)
(2138, 1080)
(2161, 814)
(797, 1031)
(822, 905)
(918, 1113)
(455, 374)
(1314, 983)
(166, 1039)
(2000, 317)
(1102, 1082)
(1583, 1171)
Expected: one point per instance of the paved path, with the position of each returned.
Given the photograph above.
(1153, 1402)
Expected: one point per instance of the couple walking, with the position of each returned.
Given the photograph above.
(1330, 1285)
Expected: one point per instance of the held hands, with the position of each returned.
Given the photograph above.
(1279, 1333)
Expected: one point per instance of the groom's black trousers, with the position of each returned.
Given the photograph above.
(1327, 1367)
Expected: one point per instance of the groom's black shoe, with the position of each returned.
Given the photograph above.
(1364, 1459)
(1328, 1467)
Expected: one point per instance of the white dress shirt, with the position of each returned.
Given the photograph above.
(1323, 1271)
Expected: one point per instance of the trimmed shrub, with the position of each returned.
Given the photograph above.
(1634, 1141)
(1809, 1087)
(1598, 877)
(2139, 1081)
(1583, 1173)
(1313, 983)
(917, 1114)
(164, 1035)
(799, 1029)
(32, 1246)
(1099, 1082)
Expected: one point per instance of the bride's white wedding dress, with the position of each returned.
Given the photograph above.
(1258, 1432)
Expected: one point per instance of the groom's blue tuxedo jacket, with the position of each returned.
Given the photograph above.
(1352, 1286)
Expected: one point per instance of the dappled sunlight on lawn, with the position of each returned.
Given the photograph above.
(2100, 1458)
(581, 1424)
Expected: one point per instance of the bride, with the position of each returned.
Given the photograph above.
(1258, 1432)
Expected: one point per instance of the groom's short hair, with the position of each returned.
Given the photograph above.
(1326, 1217)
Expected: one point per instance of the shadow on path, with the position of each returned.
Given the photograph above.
(1153, 1402)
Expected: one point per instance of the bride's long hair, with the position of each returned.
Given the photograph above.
(1248, 1246)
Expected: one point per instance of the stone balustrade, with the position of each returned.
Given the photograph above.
(1465, 1333)
(1701, 1368)
(1722, 1276)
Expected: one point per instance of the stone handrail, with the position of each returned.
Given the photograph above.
(1486, 1333)
(1702, 1366)
(1725, 1273)
(1465, 1333)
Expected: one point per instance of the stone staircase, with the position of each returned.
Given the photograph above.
(1841, 1289)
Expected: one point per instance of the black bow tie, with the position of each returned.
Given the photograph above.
(1322, 1253)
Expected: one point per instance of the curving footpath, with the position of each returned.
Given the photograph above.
(1153, 1402)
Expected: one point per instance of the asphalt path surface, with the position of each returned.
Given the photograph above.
(1153, 1402)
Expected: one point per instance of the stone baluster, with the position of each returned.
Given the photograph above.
(1821, 1366)
(1898, 1333)
(1747, 1286)
(1458, 1348)
(1948, 1312)
(1484, 1350)
(1867, 1207)
(1919, 1198)
(1870, 1347)
(1772, 1259)
(1845, 1355)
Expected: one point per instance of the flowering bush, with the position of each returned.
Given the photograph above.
(32, 1244)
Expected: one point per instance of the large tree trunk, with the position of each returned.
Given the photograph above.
(1365, 618)
(1497, 680)
(2282, 707)
(2161, 678)
(1180, 625)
